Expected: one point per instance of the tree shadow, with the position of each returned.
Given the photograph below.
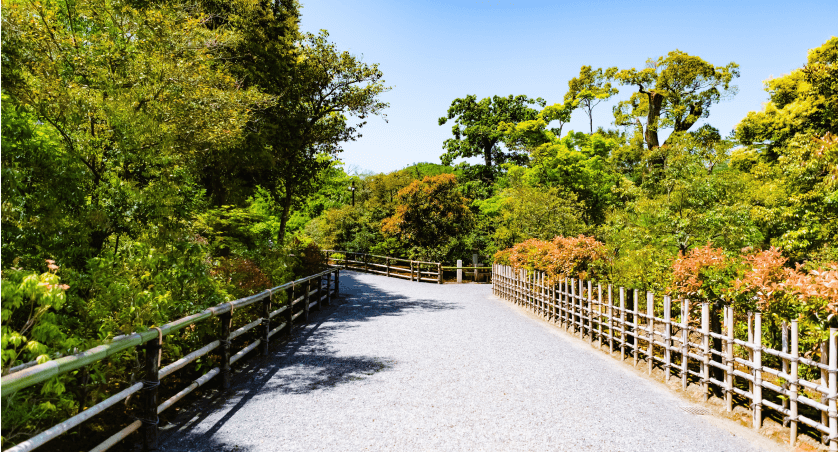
(304, 362)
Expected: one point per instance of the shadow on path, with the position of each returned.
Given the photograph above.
(305, 362)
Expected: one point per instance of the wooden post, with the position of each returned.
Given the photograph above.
(590, 306)
(610, 315)
(319, 294)
(475, 260)
(266, 325)
(729, 359)
(705, 348)
(785, 349)
(306, 300)
(366, 262)
(667, 336)
(623, 324)
(824, 359)
(459, 271)
(411, 270)
(150, 385)
(289, 313)
(599, 331)
(750, 317)
(337, 283)
(685, 339)
(328, 289)
(795, 355)
(758, 371)
(226, 322)
(439, 272)
(833, 390)
(388, 267)
(636, 336)
(650, 313)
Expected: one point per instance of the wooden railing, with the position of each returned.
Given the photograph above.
(303, 294)
(388, 266)
(627, 325)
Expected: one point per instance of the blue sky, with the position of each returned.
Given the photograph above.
(432, 52)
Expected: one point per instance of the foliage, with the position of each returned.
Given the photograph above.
(590, 88)
(563, 257)
(476, 131)
(429, 212)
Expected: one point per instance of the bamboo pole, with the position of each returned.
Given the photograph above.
(785, 349)
(833, 390)
(149, 400)
(824, 359)
(590, 311)
(226, 322)
(598, 303)
(729, 359)
(757, 392)
(685, 346)
(795, 354)
(650, 322)
(623, 326)
(610, 317)
(636, 337)
(705, 348)
(750, 318)
(667, 336)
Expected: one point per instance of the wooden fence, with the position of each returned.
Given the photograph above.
(630, 325)
(389, 266)
(303, 294)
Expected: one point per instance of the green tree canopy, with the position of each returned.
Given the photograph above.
(590, 88)
(476, 127)
(673, 92)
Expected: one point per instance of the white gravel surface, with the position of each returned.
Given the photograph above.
(400, 365)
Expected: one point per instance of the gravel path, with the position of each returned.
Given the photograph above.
(398, 365)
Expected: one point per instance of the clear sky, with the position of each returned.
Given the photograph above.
(432, 52)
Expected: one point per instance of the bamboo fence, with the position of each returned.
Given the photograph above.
(629, 325)
(303, 295)
(388, 266)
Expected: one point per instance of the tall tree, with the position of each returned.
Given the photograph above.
(590, 88)
(476, 127)
(673, 92)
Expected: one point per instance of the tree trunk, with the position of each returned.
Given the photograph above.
(286, 212)
(651, 135)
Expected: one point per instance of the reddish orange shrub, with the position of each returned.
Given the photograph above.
(563, 257)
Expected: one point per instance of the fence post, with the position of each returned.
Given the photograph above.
(439, 271)
(795, 355)
(729, 359)
(150, 384)
(337, 283)
(319, 293)
(650, 313)
(667, 336)
(636, 335)
(591, 311)
(266, 324)
(623, 326)
(785, 349)
(411, 270)
(388, 267)
(289, 313)
(306, 298)
(226, 322)
(329, 289)
(833, 389)
(758, 371)
(685, 339)
(599, 315)
(610, 315)
(705, 348)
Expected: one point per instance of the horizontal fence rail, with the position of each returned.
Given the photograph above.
(676, 336)
(392, 267)
(304, 294)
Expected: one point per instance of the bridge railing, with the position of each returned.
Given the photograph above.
(675, 336)
(302, 295)
(392, 267)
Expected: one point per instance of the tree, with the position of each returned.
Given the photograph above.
(136, 95)
(476, 128)
(429, 212)
(673, 92)
(591, 88)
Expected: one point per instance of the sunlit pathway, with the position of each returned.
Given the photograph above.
(400, 365)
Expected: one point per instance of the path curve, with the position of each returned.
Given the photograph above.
(398, 365)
